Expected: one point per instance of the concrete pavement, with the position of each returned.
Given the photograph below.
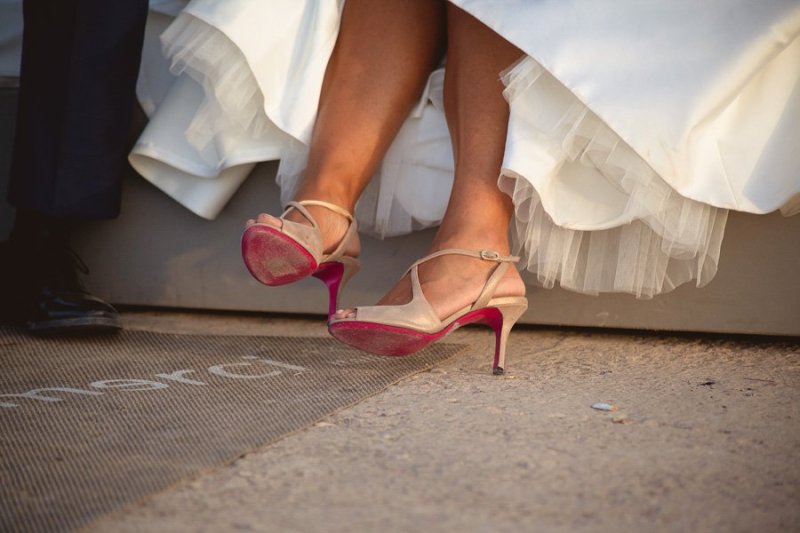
(705, 437)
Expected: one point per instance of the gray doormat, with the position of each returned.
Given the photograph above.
(92, 424)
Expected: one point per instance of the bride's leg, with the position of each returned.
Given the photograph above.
(383, 56)
(478, 214)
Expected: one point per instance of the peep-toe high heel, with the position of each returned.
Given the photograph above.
(398, 330)
(277, 256)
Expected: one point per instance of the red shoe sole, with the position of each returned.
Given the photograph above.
(381, 339)
(274, 258)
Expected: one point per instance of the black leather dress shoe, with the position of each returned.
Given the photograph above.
(42, 290)
(60, 311)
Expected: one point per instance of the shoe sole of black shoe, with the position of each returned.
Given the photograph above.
(77, 326)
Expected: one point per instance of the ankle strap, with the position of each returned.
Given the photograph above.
(503, 264)
(332, 207)
(352, 227)
(486, 255)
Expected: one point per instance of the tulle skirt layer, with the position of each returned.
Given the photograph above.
(643, 238)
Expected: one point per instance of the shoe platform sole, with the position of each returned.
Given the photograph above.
(394, 341)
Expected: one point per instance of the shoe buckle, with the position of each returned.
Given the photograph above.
(489, 255)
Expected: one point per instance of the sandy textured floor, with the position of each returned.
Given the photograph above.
(706, 438)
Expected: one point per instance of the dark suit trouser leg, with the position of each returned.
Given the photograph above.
(80, 61)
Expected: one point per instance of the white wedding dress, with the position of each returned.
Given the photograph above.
(634, 126)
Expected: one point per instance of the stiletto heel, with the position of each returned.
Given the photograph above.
(398, 330)
(335, 275)
(281, 255)
(508, 317)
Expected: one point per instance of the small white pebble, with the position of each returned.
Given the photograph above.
(604, 407)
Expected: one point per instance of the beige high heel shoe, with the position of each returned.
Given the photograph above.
(277, 256)
(398, 330)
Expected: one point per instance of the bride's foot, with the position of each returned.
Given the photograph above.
(454, 293)
(311, 238)
(332, 226)
(450, 283)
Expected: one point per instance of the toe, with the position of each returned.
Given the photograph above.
(264, 218)
(344, 313)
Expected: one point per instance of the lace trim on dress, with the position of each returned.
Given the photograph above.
(659, 241)
(233, 100)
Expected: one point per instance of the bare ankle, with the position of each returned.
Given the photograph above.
(473, 242)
